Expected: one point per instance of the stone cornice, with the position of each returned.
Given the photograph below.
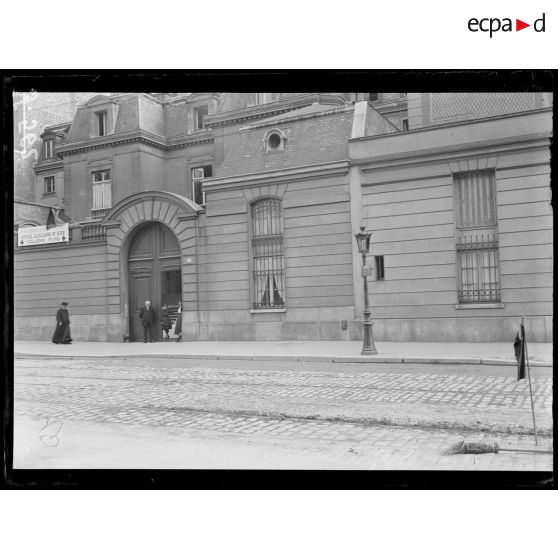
(473, 138)
(283, 175)
(451, 153)
(270, 109)
(48, 165)
(137, 136)
(287, 118)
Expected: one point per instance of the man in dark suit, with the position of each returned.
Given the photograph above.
(147, 317)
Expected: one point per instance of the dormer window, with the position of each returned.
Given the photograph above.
(101, 123)
(199, 113)
(373, 97)
(263, 98)
(49, 149)
(102, 115)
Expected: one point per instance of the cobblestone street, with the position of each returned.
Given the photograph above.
(272, 414)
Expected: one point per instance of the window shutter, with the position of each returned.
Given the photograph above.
(475, 199)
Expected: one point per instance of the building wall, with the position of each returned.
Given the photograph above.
(408, 204)
(41, 109)
(317, 253)
(400, 185)
(309, 141)
(56, 199)
(44, 277)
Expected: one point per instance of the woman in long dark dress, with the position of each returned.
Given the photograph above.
(62, 332)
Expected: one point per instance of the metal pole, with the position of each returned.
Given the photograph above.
(529, 376)
(368, 347)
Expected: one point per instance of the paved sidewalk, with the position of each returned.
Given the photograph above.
(540, 354)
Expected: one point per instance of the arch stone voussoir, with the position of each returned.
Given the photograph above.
(156, 209)
(144, 202)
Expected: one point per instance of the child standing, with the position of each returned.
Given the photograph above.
(166, 323)
(178, 325)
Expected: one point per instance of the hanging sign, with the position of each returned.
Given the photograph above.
(32, 236)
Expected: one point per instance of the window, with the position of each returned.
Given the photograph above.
(477, 238)
(379, 267)
(102, 192)
(101, 123)
(49, 149)
(199, 113)
(268, 272)
(274, 141)
(198, 174)
(50, 185)
(372, 97)
(405, 124)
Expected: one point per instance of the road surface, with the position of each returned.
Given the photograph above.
(160, 413)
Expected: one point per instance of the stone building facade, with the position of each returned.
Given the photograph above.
(243, 207)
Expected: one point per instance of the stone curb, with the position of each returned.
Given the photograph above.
(309, 358)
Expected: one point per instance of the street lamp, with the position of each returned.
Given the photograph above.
(363, 243)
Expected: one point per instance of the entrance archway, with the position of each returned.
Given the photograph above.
(154, 273)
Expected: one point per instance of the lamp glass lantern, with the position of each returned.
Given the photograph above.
(363, 240)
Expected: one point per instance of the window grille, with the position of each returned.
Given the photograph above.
(102, 191)
(477, 240)
(267, 255)
(479, 279)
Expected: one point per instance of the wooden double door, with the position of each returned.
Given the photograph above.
(153, 274)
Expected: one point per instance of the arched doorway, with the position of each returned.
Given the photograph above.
(153, 274)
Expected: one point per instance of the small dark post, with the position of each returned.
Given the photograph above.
(363, 242)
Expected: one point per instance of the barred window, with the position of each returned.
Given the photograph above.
(479, 279)
(267, 255)
(477, 238)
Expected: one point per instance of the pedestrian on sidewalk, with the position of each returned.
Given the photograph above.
(166, 323)
(178, 325)
(147, 317)
(62, 334)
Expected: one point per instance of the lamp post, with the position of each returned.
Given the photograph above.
(363, 243)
